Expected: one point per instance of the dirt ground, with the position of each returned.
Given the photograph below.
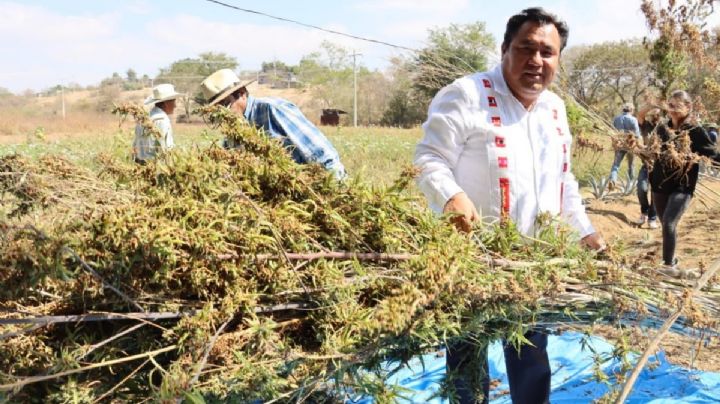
(698, 243)
(698, 236)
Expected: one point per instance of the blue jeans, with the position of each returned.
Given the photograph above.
(643, 189)
(528, 371)
(619, 155)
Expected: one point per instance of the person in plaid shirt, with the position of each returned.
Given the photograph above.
(279, 118)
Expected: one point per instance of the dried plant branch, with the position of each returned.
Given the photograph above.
(628, 386)
(36, 379)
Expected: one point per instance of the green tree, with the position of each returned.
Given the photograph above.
(131, 81)
(678, 39)
(187, 74)
(276, 65)
(373, 96)
(452, 52)
(131, 75)
(329, 73)
(406, 107)
(277, 72)
(605, 75)
(114, 80)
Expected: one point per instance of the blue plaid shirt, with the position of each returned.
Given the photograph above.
(283, 120)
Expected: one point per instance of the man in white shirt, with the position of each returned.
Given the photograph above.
(146, 146)
(497, 146)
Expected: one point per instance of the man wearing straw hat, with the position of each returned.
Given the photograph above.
(146, 146)
(279, 118)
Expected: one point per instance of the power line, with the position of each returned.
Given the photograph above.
(245, 10)
(603, 69)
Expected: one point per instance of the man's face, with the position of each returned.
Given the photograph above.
(168, 106)
(530, 61)
(236, 103)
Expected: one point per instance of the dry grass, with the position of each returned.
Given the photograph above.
(18, 124)
(373, 152)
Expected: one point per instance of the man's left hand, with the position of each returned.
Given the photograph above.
(594, 242)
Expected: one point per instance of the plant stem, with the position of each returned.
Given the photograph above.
(35, 379)
(627, 388)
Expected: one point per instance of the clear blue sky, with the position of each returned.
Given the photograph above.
(45, 43)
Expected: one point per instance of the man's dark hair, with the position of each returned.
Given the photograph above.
(236, 95)
(161, 104)
(537, 15)
(240, 91)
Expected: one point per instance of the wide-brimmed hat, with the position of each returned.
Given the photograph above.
(220, 84)
(162, 92)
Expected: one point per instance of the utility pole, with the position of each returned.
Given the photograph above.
(354, 55)
(62, 98)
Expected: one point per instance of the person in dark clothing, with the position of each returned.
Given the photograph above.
(712, 131)
(649, 119)
(673, 186)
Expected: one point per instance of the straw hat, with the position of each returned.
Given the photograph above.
(162, 92)
(220, 84)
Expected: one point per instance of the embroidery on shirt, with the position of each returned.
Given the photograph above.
(495, 120)
(564, 170)
(499, 141)
(486, 83)
(502, 162)
(559, 131)
(492, 102)
(505, 197)
(555, 114)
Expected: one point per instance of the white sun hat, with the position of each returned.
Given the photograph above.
(162, 92)
(220, 84)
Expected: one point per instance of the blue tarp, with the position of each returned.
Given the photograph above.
(572, 380)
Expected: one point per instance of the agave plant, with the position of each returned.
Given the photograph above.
(627, 186)
(600, 188)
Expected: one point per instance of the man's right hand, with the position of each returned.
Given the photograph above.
(465, 209)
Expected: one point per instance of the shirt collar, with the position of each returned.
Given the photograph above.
(249, 106)
(157, 111)
(498, 80)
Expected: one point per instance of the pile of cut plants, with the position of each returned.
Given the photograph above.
(238, 275)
